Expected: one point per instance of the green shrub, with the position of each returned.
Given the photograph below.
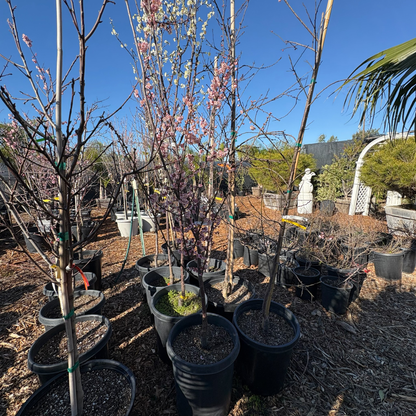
(270, 168)
(391, 166)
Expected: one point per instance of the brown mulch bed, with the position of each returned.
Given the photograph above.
(362, 363)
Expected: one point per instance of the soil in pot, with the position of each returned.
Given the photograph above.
(168, 304)
(187, 345)
(280, 332)
(92, 346)
(109, 389)
(81, 304)
(158, 278)
(242, 290)
(55, 349)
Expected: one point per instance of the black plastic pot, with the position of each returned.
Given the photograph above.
(50, 323)
(203, 389)
(263, 367)
(238, 249)
(143, 264)
(327, 208)
(90, 262)
(356, 277)
(36, 237)
(94, 365)
(251, 256)
(85, 230)
(335, 299)
(49, 291)
(310, 279)
(409, 260)
(388, 265)
(47, 371)
(308, 263)
(149, 278)
(212, 263)
(285, 274)
(227, 309)
(164, 323)
(265, 263)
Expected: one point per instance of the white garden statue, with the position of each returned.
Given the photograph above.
(305, 198)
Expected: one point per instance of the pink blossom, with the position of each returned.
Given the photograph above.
(27, 40)
(143, 46)
(136, 93)
(252, 128)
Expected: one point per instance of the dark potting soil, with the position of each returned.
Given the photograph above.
(338, 282)
(56, 349)
(81, 304)
(106, 392)
(188, 345)
(308, 272)
(153, 264)
(163, 281)
(168, 304)
(239, 293)
(279, 333)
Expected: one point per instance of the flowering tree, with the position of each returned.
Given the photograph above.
(44, 153)
(180, 116)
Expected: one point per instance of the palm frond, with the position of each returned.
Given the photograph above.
(389, 76)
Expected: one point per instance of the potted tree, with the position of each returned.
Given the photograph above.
(45, 142)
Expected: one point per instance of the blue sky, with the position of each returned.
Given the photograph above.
(357, 30)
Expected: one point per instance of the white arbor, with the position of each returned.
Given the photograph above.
(361, 194)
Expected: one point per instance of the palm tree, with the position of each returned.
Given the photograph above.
(390, 74)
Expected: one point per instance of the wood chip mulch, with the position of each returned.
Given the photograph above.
(362, 363)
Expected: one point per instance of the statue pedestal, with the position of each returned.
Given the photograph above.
(305, 203)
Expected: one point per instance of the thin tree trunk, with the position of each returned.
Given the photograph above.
(318, 54)
(65, 294)
(231, 173)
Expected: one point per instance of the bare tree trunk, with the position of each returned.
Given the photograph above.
(231, 173)
(65, 275)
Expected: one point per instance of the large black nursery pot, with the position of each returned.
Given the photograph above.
(86, 229)
(51, 293)
(335, 299)
(309, 278)
(36, 400)
(213, 264)
(238, 248)
(251, 256)
(203, 389)
(149, 281)
(51, 322)
(355, 276)
(356, 255)
(303, 262)
(91, 262)
(409, 259)
(143, 265)
(164, 323)
(47, 371)
(285, 274)
(263, 367)
(388, 265)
